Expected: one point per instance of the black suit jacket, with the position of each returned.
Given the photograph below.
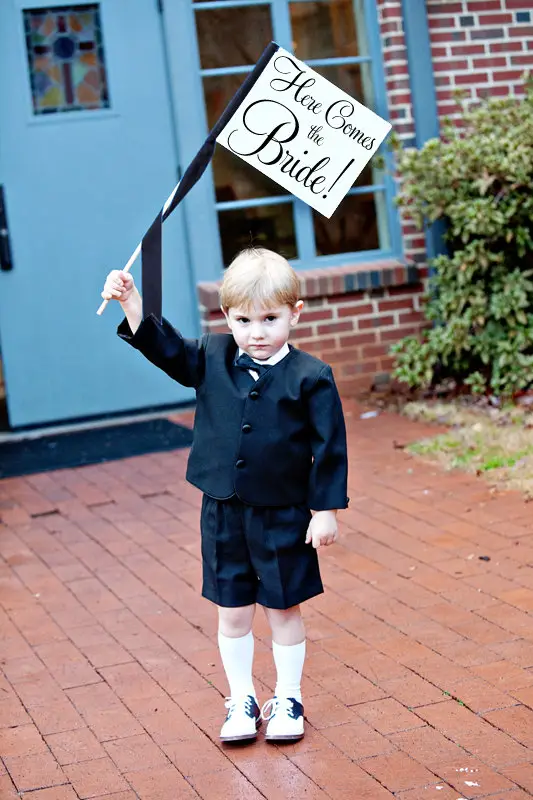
(277, 441)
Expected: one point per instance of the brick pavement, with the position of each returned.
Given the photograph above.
(419, 678)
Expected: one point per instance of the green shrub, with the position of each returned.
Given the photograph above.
(479, 179)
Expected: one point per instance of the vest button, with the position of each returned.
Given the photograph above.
(240, 463)
(254, 395)
(246, 428)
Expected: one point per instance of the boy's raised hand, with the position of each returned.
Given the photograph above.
(322, 529)
(118, 285)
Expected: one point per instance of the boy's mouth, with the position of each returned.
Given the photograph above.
(259, 348)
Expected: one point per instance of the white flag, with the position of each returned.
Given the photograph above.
(304, 133)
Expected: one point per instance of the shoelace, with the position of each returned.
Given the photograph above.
(231, 705)
(276, 704)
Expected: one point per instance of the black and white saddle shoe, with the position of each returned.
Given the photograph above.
(243, 720)
(285, 717)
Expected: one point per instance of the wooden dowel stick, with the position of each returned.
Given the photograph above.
(127, 268)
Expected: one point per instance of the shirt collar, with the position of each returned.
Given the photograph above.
(282, 352)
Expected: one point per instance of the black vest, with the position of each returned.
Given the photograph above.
(277, 441)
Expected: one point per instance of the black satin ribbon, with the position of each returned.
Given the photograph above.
(244, 361)
(151, 245)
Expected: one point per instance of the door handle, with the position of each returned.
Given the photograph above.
(6, 261)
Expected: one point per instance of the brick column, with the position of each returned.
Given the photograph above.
(400, 103)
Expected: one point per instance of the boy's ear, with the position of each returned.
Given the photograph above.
(296, 311)
(225, 312)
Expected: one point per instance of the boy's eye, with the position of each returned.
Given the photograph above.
(243, 319)
(271, 318)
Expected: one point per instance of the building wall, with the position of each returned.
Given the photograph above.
(481, 47)
(353, 315)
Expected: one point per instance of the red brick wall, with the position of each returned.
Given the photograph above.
(353, 332)
(482, 47)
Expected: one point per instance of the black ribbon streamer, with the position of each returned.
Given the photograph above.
(151, 245)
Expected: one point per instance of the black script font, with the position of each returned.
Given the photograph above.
(336, 116)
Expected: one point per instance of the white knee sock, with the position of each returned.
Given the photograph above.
(289, 660)
(237, 659)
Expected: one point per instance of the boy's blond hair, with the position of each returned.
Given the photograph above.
(258, 276)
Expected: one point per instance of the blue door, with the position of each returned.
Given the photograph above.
(87, 157)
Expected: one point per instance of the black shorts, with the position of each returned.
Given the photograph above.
(254, 554)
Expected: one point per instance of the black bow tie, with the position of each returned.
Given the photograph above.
(245, 362)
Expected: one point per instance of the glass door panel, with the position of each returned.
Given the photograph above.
(220, 35)
(269, 226)
(230, 38)
(323, 29)
(349, 78)
(353, 228)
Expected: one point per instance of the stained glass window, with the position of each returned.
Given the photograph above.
(66, 58)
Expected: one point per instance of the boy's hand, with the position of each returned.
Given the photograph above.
(322, 529)
(119, 285)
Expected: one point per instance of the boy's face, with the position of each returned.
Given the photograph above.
(260, 331)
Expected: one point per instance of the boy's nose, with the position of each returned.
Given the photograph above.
(257, 332)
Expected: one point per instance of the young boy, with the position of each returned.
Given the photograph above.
(269, 454)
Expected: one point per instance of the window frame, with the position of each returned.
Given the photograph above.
(201, 206)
